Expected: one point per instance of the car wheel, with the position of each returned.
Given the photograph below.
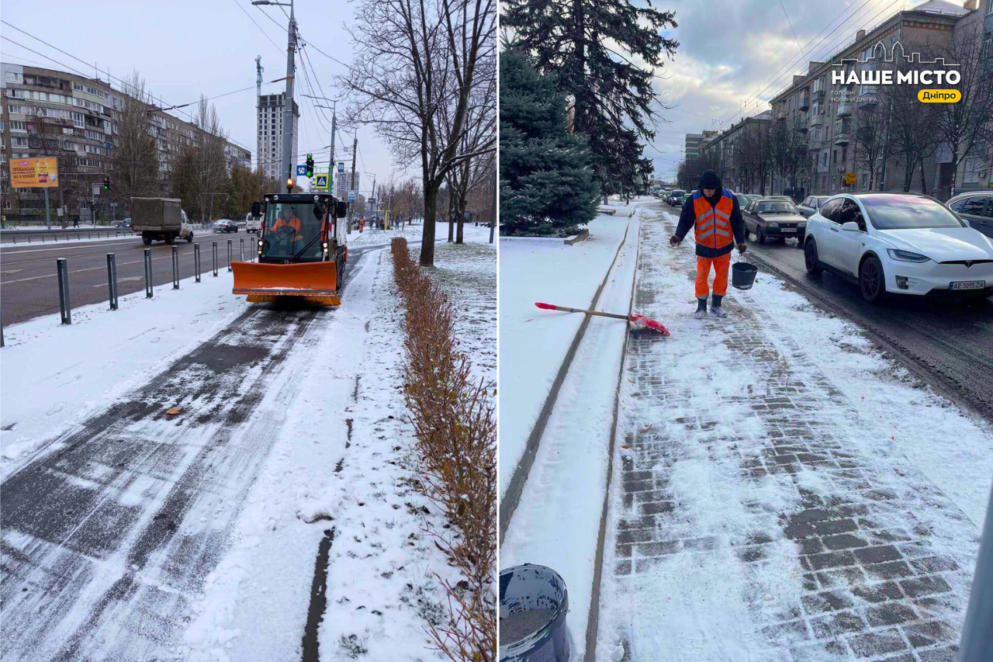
(872, 283)
(810, 258)
(169, 239)
(189, 238)
(147, 241)
(761, 235)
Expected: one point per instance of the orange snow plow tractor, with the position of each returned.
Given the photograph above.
(302, 251)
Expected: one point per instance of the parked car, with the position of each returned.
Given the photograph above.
(811, 204)
(899, 243)
(784, 198)
(225, 225)
(976, 207)
(753, 196)
(777, 219)
(126, 223)
(676, 197)
(742, 200)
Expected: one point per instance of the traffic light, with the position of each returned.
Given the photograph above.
(289, 185)
(310, 165)
(106, 183)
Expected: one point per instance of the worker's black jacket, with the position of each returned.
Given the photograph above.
(687, 217)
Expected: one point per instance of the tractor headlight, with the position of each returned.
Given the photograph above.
(906, 256)
(325, 247)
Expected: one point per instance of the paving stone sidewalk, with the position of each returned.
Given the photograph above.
(813, 550)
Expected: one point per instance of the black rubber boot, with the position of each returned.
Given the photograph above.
(715, 308)
(701, 308)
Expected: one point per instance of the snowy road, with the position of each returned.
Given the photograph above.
(111, 529)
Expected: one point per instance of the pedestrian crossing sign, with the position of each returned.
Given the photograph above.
(322, 182)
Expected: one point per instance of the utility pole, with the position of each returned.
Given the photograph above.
(286, 164)
(334, 127)
(351, 205)
(372, 196)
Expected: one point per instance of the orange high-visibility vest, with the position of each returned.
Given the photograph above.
(713, 224)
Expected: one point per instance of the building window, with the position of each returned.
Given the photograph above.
(16, 109)
(19, 142)
(18, 126)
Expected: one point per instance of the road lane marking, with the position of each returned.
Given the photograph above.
(121, 280)
(119, 264)
(65, 245)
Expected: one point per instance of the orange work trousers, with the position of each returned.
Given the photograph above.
(721, 265)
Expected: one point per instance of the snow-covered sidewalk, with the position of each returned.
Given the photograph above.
(781, 492)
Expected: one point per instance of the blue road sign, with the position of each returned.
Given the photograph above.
(322, 181)
(301, 171)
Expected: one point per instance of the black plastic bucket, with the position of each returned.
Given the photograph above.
(743, 275)
(530, 588)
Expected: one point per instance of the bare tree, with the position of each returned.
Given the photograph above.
(960, 126)
(210, 172)
(911, 124)
(869, 139)
(136, 160)
(418, 59)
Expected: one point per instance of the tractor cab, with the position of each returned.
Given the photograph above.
(302, 249)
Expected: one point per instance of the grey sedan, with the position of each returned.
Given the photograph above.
(976, 207)
(812, 204)
(774, 219)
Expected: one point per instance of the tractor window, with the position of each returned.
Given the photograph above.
(290, 228)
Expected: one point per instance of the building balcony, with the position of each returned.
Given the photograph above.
(816, 144)
(841, 138)
(818, 120)
(802, 128)
(804, 102)
(782, 115)
(844, 109)
(818, 93)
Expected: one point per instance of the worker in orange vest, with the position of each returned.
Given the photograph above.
(288, 227)
(714, 212)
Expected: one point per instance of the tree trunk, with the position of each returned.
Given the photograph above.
(430, 213)
(923, 176)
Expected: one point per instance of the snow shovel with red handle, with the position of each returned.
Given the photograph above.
(638, 320)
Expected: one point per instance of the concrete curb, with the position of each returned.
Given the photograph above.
(593, 621)
(510, 500)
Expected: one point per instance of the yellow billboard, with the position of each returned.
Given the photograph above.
(34, 173)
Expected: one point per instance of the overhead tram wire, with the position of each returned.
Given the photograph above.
(244, 11)
(823, 52)
(804, 52)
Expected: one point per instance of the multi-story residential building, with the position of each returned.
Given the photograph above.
(732, 153)
(46, 112)
(828, 114)
(343, 184)
(692, 146)
(270, 134)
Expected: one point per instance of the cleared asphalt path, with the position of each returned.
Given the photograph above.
(108, 536)
(947, 343)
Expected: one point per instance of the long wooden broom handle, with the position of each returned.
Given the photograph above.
(591, 312)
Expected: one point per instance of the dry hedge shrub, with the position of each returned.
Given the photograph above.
(456, 437)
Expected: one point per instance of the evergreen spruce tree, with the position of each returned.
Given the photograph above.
(614, 98)
(546, 180)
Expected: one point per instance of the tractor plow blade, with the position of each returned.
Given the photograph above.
(316, 281)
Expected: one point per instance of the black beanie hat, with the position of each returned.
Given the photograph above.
(709, 179)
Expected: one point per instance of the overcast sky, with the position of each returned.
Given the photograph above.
(187, 47)
(731, 49)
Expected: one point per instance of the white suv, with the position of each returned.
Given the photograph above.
(899, 243)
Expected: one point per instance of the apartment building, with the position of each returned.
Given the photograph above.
(827, 114)
(46, 112)
(692, 144)
(270, 134)
(733, 153)
(343, 184)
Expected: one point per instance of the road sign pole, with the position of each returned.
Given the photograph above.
(215, 258)
(229, 256)
(196, 260)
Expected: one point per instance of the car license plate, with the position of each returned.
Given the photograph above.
(789, 230)
(969, 285)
